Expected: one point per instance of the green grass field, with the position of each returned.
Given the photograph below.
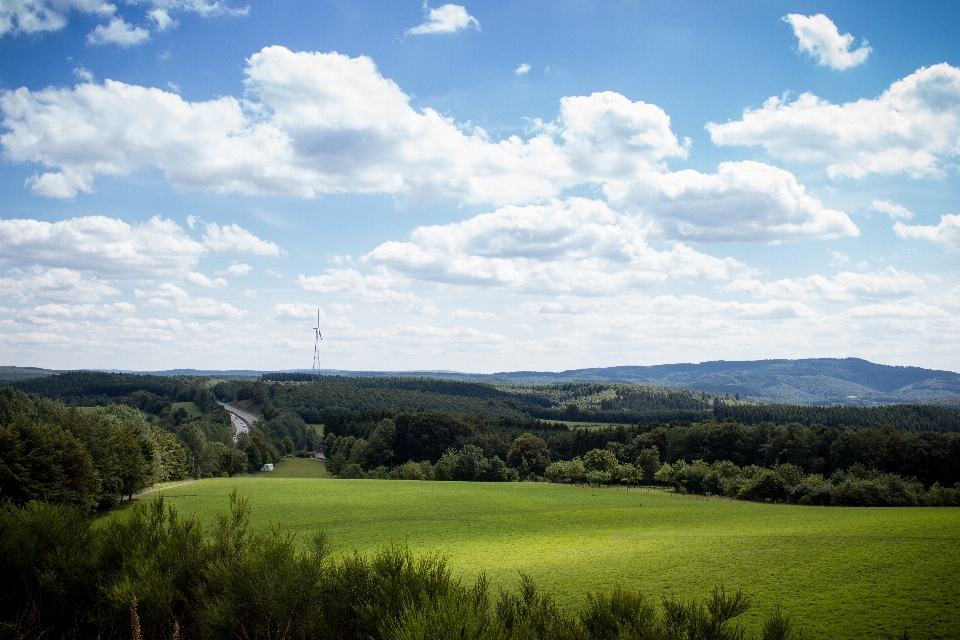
(840, 572)
(193, 411)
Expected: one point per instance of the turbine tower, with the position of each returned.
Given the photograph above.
(316, 347)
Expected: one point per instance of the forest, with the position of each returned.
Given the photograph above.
(121, 434)
(316, 398)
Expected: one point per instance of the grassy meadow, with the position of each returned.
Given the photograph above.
(193, 411)
(840, 572)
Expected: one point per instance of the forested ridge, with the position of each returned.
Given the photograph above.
(314, 400)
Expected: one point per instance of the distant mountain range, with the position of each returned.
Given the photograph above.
(815, 381)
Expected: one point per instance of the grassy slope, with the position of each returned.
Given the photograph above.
(846, 572)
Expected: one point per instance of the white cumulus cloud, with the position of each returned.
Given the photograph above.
(169, 295)
(105, 246)
(295, 311)
(818, 36)
(577, 246)
(32, 16)
(845, 286)
(892, 209)
(946, 233)
(320, 123)
(380, 287)
(911, 128)
(115, 249)
(54, 284)
(744, 201)
(448, 18)
(522, 69)
(118, 32)
(201, 280)
(235, 238)
(238, 270)
(325, 123)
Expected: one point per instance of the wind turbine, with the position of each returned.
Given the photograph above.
(316, 347)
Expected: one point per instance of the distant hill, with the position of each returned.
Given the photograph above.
(814, 381)
(16, 374)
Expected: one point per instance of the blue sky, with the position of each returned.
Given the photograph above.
(479, 187)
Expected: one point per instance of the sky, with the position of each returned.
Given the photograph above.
(493, 186)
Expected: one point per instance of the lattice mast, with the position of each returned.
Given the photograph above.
(316, 347)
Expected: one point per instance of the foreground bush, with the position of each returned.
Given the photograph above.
(156, 573)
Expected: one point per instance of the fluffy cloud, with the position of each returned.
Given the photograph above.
(119, 32)
(238, 270)
(324, 123)
(101, 245)
(576, 246)
(237, 239)
(381, 287)
(845, 286)
(446, 19)
(818, 36)
(321, 123)
(607, 137)
(892, 209)
(170, 296)
(53, 284)
(55, 312)
(909, 129)
(204, 281)
(32, 16)
(522, 69)
(946, 233)
(295, 311)
(115, 249)
(743, 201)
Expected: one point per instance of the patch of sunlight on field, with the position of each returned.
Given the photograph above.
(193, 411)
(840, 572)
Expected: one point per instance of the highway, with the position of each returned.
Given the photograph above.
(241, 420)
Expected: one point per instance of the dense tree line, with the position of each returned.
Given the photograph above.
(316, 400)
(154, 574)
(95, 388)
(855, 487)
(928, 456)
(920, 417)
(94, 456)
(89, 458)
(425, 444)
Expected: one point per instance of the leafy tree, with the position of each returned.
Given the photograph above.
(212, 457)
(41, 461)
(649, 463)
(410, 470)
(529, 455)
(600, 460)
(173, 463)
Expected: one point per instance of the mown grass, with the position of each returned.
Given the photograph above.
(193, 411)
(840, 572)
(299, 468)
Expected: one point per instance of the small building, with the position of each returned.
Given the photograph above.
(267, 467)
(318, 452)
